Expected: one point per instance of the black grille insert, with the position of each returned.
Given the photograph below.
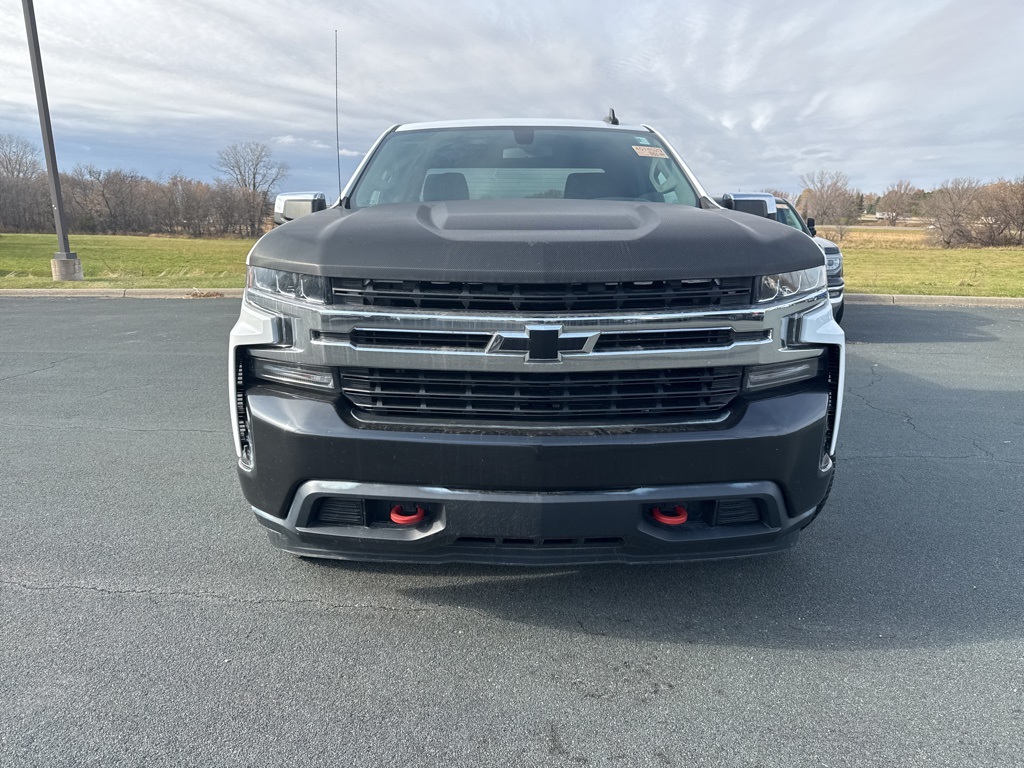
(695, 338)
(385, 338)
(734, 511)
(601, 395)
(543, 297)
(339, 511)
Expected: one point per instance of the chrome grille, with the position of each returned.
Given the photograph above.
(608, 341)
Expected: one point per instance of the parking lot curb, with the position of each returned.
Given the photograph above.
(934, 301)
(126, 293)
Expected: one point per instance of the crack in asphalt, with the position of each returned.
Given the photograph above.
(875, 378)
(51, 366)
(991, 455)
(215, 596)
(983, 453)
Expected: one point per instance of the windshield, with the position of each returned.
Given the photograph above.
(788, 215)
(516, 163)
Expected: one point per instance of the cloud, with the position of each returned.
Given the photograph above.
(289, 140)
(750, 99)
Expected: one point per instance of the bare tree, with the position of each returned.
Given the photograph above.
(19, 158)
(20, 171)
(830, 199)
(897, 202)
(781, 193)
(952, 209)
(230, 209)
(1000, 213)
(1012, 199)
(121, 192)
(827, 194)
(1001, 208)
(188, 206)
(251, 167)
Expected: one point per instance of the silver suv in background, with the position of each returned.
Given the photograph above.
(785, 212)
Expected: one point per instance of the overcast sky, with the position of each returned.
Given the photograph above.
(752, 93)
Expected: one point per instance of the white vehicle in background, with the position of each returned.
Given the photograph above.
(785, 212)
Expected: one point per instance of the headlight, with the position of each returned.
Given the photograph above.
(833, 259)
(290, 284)
(790, 284)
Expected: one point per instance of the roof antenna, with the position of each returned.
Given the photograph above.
(337, 116)
(611, 119)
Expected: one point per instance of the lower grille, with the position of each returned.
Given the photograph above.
(733, 511)
(339, 511)
(521, 396)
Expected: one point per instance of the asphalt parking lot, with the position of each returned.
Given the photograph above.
(145, 620)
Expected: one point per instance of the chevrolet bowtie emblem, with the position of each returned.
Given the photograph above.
(543, 343)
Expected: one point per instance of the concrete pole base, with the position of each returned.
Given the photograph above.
(66, 267)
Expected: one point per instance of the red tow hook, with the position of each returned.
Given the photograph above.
(677, 516)
(398, 516)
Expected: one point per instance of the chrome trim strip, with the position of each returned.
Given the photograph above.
(425, 319)
(308, 321)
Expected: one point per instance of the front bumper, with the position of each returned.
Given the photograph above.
(529, 496)
(536, 529)
(542, 499)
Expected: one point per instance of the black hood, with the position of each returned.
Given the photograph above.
(541, 241)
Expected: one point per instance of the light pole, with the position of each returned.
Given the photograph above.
(65, 265)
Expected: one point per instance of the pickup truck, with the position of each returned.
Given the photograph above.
(532, 342)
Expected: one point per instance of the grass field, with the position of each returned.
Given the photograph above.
(877, 260)
(114, 261)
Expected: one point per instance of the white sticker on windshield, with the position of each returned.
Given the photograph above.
(642, 140)
(650, 151)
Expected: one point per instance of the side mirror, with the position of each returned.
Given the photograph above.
(810, 227)
(759, 204)
(293, 205)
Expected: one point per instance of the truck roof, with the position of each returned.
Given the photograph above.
(520, 122)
